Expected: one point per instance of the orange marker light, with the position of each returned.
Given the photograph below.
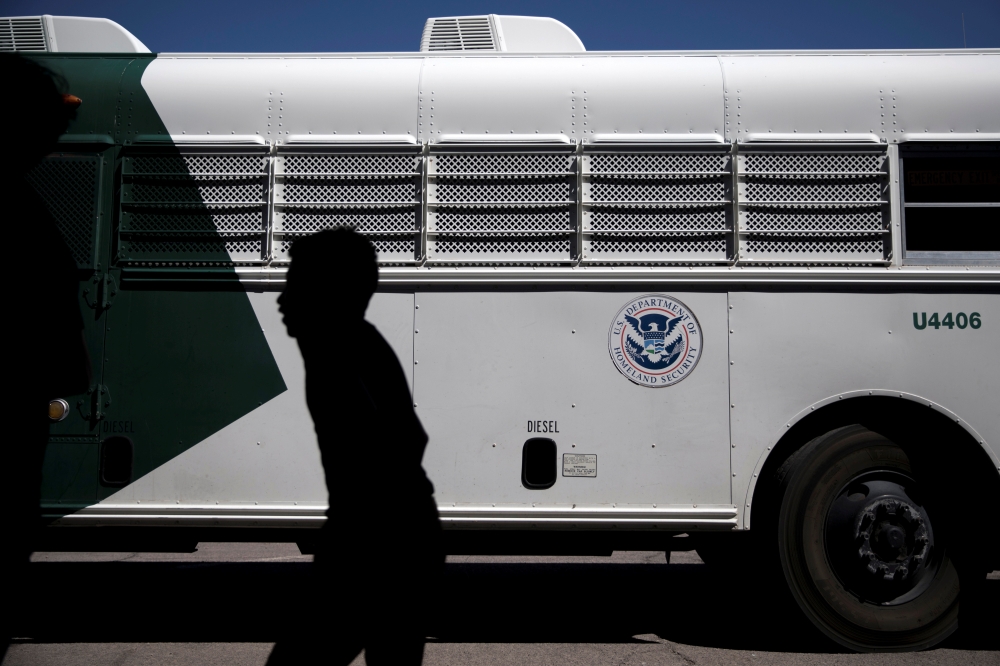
(72, 101)
(58, 410)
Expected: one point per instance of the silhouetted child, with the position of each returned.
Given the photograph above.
(381, 545)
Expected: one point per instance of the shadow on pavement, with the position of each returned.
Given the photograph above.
(478, 602)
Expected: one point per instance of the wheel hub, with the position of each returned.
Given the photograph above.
(879, 539)
(893, 537)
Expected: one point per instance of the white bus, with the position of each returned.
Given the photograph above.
(636, 294)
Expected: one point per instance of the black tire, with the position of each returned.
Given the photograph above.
(858, 546)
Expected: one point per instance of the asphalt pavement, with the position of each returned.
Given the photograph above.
(226, 603)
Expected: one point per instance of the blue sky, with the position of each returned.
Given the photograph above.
(386, 25)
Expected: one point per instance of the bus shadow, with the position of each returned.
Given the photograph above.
(689, 604)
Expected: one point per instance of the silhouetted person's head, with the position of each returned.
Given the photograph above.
(35, 108)
(330, 281)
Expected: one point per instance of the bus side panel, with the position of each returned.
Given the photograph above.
(181, 365)
(790, 351)
(956, 93)
(805, 94)
(275, 97)
(77, 183)
(497, 95)
(552, 95)
(895, 97)
(268, 459)
(95, 80)
(500, 368)
(651, 96)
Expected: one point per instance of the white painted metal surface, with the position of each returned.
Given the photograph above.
(850, 96)
(488, 363)
(793, 353)
(890, 96)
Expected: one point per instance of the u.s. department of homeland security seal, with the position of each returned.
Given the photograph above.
(655, 340)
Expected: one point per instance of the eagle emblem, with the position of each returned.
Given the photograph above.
(655, 340)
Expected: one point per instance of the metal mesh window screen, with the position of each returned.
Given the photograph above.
(69, 185)
(377, 192)
(633, 249)
(656, 163)
(513, 249)
(477, 222)
(828, 250)
(827, 208)
(657, 207)
(501, 208)
(501, 164)
(386, 247)
(348, 165)
(638, 221)
(813, 163)
(218, 166)
(363, 220)
(179, 210)
(615, 190)
(173, 193)
(813, 221)
(170, 251)
(502, 191)
(809, 191)
(377, 195)
(219, 222)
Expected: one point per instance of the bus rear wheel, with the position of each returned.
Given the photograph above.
(863, 554)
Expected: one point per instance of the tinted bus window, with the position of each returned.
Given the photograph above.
(951, 203)
(953, 179)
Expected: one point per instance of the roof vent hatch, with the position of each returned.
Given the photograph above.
(492, 32)
(24, 33)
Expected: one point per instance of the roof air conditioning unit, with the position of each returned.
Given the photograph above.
(71, 34)
(492, 32)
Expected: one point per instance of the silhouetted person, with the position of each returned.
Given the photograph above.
(45, 331)
(381, 546)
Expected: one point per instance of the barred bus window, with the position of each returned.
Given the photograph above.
(951, 203)
(69, 183)
(814, 205)
(953, 229)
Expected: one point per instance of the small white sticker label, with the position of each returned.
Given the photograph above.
(579, 464)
